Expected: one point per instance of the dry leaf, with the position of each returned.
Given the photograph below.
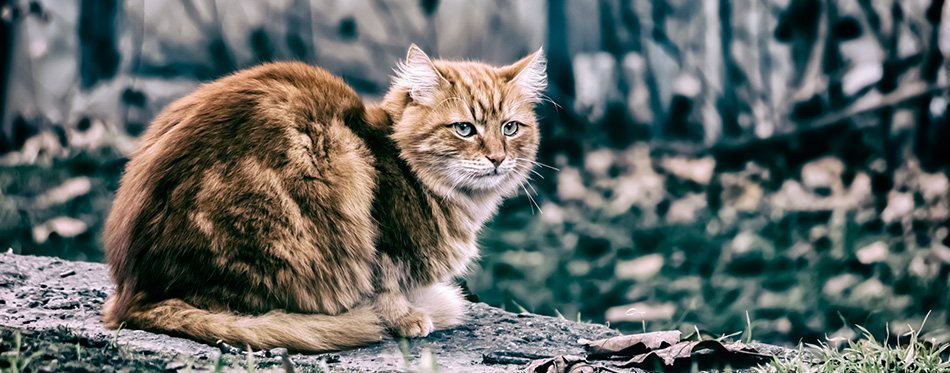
(631, 345)
(560, 364)
(703, 352)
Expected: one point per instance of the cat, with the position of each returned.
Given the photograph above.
(272, 208)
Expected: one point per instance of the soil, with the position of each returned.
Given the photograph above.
(55, 308)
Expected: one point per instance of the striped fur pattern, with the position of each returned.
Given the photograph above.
(272, 208)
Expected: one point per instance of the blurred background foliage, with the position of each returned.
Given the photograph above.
(781, 159)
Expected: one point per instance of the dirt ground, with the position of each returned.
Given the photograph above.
(54, 306)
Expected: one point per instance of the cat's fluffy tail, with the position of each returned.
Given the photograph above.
(294, 331)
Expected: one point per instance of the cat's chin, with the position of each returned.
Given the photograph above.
(500, 183)
(488, 181)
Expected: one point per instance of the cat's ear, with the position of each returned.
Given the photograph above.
(419, 76)
(530, 74)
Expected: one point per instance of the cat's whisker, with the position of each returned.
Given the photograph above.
(536, 173)
(544, 165)
(530, 198)
(545, 97)
(532, 187)
(536, 163)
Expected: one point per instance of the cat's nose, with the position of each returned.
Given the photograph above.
(496, 159)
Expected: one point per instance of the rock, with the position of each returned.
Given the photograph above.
(743, 242)
(641, 311)
(842, 335)
(870, 289)
(570, 185)
(825, 172)
(598, 162)
(642, 186)
(924, 268)
(39, 148)
(941, 253)
(686, 209)
(875, 252)
(933, 186)
(899, 205)
(77, 310)
(641, 268)
(66, 191)
(836, 285)
(63, 226)
(175, 366)
(749, 198)
(699, 170)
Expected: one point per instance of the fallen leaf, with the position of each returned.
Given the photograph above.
(560, 364)
(631, 345)
(706, 352)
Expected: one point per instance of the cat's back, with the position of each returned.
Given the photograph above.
(253, 159)
(270, 92)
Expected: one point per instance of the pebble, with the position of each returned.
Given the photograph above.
(174, 366)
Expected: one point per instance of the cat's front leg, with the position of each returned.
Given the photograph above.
(392, 306)
(402, 318)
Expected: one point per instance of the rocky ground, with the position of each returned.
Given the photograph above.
(55, 305)
(804, 191)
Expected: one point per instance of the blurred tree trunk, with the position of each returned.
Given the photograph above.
(934, 130)
(299, 31)
(6, 50)
(564, 133)
(98, 58)
(559, 58)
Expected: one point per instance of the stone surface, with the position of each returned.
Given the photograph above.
(43, 294)
(56, 307)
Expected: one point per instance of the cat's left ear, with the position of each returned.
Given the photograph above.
(530, 74)
(419, 76)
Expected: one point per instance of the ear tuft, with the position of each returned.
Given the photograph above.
(418, 75)
(530, 74)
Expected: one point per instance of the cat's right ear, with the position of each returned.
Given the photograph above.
(530, 74)
(419, 76)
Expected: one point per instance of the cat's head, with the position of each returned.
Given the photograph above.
(467, 127)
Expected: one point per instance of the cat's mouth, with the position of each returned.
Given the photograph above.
(494, 173)
(491, 179)
(481, 176)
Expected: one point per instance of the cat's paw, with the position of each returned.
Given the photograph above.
(442, 302)
(412, 324)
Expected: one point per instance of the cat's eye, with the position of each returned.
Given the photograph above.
(510, 128)
(464, 129)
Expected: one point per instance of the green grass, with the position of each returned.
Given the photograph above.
(865, 355)
(16, 361)
(115, 337)
(55, 351)
(428, 360)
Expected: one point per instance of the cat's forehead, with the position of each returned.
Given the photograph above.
(482, 88)
(468, 74)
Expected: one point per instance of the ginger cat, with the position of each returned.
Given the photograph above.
(272, 208)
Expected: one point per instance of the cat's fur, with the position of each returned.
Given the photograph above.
(272, 208)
